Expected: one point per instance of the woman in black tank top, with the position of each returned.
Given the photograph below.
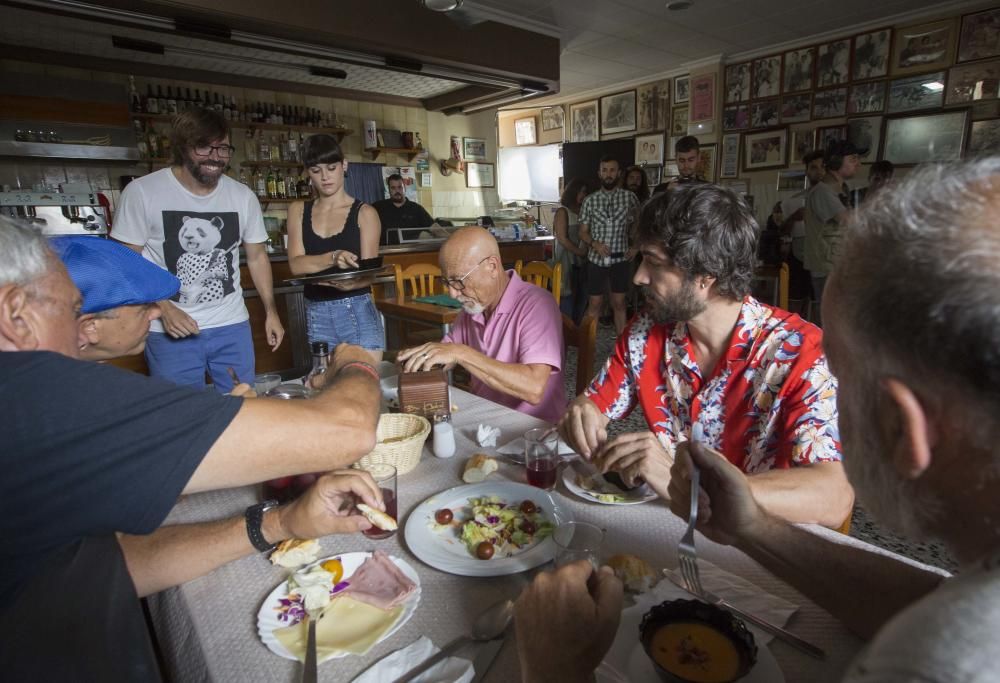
(334, 230)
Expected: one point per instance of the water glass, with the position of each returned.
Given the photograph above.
(578, 541)
(264, 383)
(541, 457)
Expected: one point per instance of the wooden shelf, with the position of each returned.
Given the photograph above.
(406, 151)
(275, 164)
(242, 125)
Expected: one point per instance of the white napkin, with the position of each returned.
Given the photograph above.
(487, 435)
(399, 663)
(516, 447)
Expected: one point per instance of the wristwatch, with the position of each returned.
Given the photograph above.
(254, 517)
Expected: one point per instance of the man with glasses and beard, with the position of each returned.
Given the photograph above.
(191, 219)
(508, 335)
(705, 352)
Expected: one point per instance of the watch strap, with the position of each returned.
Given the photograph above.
(254, 518)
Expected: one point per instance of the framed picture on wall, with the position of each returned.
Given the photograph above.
(653, 175)
(524, 131)
(830, 104)
(798, 74)
(793, 179)
(866, 98)
(803, 142)
(654, 106)
(916, 92)
(671, 151)
(984, 138)
(679, 121)
(730, 167)
(737, 83)
(765, 113)
(923, 47)
(765, 149)
(552, 118)
(833, 63)
(736, 117)
(766, 75)
(618, 113)
(982, 111)
(871, 55)
(474, 149)
(866, 133)
(978, 37)
(682, 89)
(583, 121)
(706, 162)
(924, 138)
(702, 97)
(973, 82)
(827, 135)
(796, 108)
(479, 175)
(649, 149)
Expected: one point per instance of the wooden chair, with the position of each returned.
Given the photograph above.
(584, 338)
(423, 278)
(542, 274)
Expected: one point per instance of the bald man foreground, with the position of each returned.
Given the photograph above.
(508, 335)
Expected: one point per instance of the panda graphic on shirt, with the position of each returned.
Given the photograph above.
(199, 249)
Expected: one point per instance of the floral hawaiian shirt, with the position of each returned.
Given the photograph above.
(771, 401)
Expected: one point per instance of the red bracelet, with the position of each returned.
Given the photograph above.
(361, 365)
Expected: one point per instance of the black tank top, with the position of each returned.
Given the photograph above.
(348, 239)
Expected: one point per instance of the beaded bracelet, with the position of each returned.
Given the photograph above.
(361, 365)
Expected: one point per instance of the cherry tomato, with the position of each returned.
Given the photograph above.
(443, 516)
(335, 568)
(528, 527)
(484, 550)
(527, 507)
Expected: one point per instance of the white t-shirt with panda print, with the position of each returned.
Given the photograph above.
(196, 238)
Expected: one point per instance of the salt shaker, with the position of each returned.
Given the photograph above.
(444, 439)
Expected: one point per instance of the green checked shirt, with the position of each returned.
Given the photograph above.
(608, 215)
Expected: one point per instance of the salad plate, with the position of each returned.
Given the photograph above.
(441, 545)
(587, 483)
(272, 616)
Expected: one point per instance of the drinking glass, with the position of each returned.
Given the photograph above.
(578, 541)
(385, 478)
(264, 383)
(541, 457)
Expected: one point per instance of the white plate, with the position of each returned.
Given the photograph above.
(637, 496)
(627, 661)
(442, 548)
(267, 617)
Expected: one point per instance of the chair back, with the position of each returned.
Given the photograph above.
(542, 274)
(423, 279)
(584, 338)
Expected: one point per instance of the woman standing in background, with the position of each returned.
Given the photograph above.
(334, 230)
(568, 251)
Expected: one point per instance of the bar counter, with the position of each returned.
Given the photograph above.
(292, 358)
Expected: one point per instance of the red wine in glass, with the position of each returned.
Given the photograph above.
(389, 498)
(542, 473)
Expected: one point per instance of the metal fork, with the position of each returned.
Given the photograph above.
(687, 556)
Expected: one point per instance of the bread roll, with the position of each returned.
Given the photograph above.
(478, 467)
(295, 552)
(377, 517)
(634, 572)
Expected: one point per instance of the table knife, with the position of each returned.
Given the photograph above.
(309, 674)
(764, 625)
(488, 652)
(431, 661)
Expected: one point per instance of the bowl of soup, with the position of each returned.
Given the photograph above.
(690, 641)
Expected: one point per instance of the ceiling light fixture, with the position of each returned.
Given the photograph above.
(677, 5)
(441, 5)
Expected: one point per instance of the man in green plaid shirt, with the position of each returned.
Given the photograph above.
(605, 219)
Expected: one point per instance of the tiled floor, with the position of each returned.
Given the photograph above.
(862, 526)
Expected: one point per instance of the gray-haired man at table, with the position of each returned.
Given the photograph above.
(912, 335)
(92, 452)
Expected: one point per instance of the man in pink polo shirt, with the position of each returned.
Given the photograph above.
(508, 336)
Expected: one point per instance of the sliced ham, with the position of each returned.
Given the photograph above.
(378, 582)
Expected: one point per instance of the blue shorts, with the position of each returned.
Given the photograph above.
(353, 320)
(215, 350)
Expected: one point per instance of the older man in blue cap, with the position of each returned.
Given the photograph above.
(120, 290)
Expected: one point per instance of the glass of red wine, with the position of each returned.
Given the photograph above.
(541, 457)
(385, 477)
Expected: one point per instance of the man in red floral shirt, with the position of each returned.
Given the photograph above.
(704, 351)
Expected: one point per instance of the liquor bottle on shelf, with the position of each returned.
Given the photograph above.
(291, 187)
(272, 188)
(188, 100)
(281, 115)
(140, 139)
(293, 147)
(275, 150)
(198, 102)
(244, 179)
(164, 145)
(154, 143)
(233, 109)
(250, 146)
(279, 186)
(227, 113)
(152, 106)
(134, 103)
(265, 149)
(161, 101)
(260, 184)
(303, 189)
(171, 102)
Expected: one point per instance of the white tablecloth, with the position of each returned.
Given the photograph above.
(207, 628)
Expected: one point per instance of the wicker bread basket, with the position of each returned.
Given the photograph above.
(405, 435)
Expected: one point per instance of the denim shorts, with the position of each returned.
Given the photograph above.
(353, 320)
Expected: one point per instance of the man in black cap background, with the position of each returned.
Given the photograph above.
(828, 210)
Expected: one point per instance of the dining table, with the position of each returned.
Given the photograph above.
(206, 629)
(405, 308)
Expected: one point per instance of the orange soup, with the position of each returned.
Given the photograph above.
(695, 652)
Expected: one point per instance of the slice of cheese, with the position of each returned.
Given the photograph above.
(346, 626)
